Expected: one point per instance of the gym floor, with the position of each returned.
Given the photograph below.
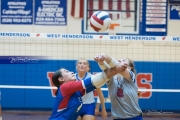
(37, 115)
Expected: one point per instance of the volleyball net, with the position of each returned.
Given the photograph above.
(28, 61)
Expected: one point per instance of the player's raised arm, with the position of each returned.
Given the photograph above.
(105, 61)
(63, 76)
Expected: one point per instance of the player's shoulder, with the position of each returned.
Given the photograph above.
(89, 74)
(68, 84)
(132, 76)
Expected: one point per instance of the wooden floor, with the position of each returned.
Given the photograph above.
(37, 115)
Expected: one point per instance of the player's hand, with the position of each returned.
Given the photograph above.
(100, 58)
(96, 111)
(121, 67)
(104, 114)
(139, 94)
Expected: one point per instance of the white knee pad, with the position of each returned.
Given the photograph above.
(113, 63)
(104, 66)
(99, 78)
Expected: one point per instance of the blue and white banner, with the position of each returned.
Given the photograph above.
(175, 12)
(52, 12)
(45, 36)
(16, 11)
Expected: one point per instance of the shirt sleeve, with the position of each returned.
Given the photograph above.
(132, 76)
(110, 81)
(71, 87)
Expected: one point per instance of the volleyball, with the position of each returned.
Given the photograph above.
(100, 21)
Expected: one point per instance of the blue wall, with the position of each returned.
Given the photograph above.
(165, 75)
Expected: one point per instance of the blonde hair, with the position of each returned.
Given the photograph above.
(86, 62)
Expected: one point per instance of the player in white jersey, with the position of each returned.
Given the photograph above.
(122, 90)
(88, 108)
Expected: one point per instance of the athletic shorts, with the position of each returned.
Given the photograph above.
(135, 118)
(87, 109)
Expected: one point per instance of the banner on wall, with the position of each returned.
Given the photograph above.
(175, 12)
(16, 12)
(52, 12)
(46, 36)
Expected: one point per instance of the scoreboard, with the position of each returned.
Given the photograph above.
(153, 17)
(174, 1)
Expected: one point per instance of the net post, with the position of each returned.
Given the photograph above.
(112, 27)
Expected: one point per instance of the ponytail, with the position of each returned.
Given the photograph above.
(131, 64)
(55, 80)
(56, 91)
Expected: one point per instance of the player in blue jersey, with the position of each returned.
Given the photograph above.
(88, 108)
(68, 101)
(122, 90)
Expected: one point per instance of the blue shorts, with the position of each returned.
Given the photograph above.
(87, 109)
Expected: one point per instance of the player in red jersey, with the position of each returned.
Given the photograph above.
(68, 102)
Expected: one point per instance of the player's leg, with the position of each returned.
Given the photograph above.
(79, 118)
(89, 117)
(81, 114)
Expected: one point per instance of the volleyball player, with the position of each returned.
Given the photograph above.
(68, 101)
(122, 90)
(88, 107)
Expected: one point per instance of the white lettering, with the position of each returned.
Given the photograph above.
(156, 15)
(155, 22)
(50, 9)
(50, 2)
(155, 29)
(156, 4)
(16, 3)
(45, 14)
(155, 11)
(156, 0)
(156, 19)
(6, 20)
(156, 8)
(175, 7)
(15, 12)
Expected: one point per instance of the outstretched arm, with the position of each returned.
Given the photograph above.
(105, 62)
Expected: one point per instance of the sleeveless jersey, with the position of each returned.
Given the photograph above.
(88, 98)
(124, 98)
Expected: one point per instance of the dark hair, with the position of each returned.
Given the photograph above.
(131, 64)
(55, 78)
(86, 61)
